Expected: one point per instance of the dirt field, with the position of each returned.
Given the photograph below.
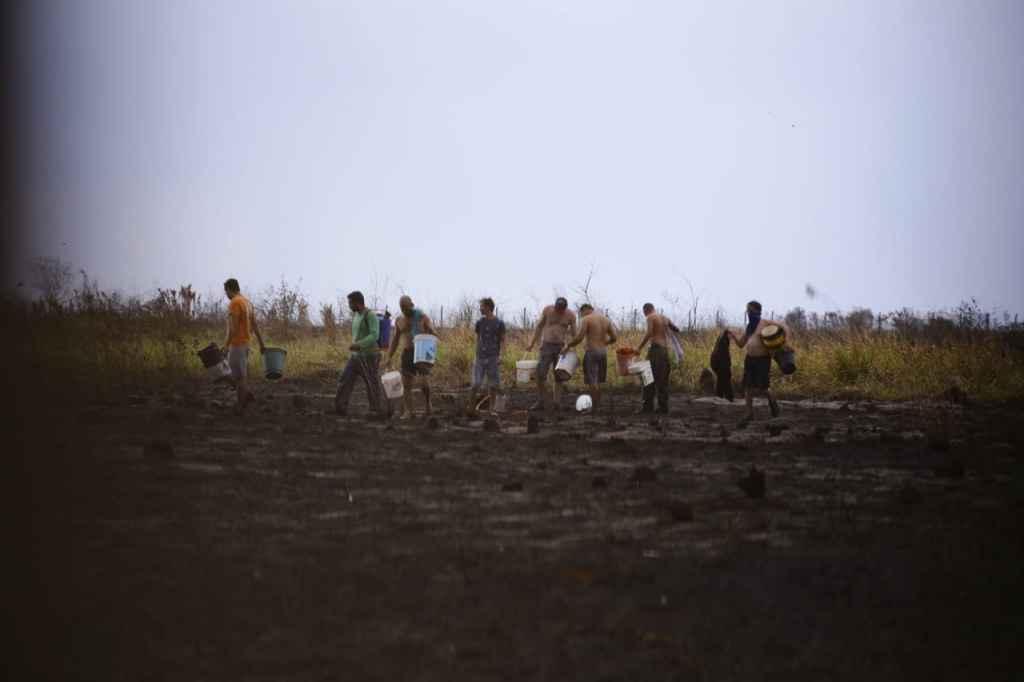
(169, 540)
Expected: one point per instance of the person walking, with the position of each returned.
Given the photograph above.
(598, 333)
(556, 325)
(240, 330)
(757, 365)
(658, 329)
(363, 360)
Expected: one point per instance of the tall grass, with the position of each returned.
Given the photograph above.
(110, 347)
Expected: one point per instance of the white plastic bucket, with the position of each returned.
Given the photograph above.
(392, 384)
(222, 370)
(424, 350)
(566, 366)
(642, 368)
(526, 370)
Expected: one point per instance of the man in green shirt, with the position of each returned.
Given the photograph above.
(364, 360)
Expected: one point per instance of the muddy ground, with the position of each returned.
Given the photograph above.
(166, 539)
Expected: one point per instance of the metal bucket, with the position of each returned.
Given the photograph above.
(273, 362)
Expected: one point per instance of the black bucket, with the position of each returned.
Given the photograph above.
(786, 359)
(210, 356)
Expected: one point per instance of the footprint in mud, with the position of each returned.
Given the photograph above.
(753, 484)
(644, 474)
(513, 487)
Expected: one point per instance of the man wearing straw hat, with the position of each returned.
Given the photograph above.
(412, 322)
(599, 334)
(557, 324)
(241, 327)
(364, 360)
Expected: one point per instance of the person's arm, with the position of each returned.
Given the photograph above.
(647, 336)
(396, 335)
(741, 341)
(232, 325)
(672, 326)
(576, 339)
(612, 337)
(256, 330)
(427, 326)
(537, 332)
(501, 339)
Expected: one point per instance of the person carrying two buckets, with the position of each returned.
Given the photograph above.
(240, 330)
(761, 339)
(414, 331)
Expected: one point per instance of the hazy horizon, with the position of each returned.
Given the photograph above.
(872, 149)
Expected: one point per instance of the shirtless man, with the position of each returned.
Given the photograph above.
(412, 321)
(557, 324)
(757, 365)
(599, 334)
(658, 329)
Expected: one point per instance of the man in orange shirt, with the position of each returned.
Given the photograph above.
(241, 327)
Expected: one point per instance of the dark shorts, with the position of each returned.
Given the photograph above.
(486, 371)
(549, 353)
(595, 367)
(757, 372)
(408, 368)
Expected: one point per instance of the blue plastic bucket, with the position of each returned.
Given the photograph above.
(273, 362)
(424, 350)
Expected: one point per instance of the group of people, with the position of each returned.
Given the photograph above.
(557, 332)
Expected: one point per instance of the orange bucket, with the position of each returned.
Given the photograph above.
(624, 357)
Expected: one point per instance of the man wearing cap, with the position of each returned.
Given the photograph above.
(556, 325)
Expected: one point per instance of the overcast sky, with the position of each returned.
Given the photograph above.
(873, 149)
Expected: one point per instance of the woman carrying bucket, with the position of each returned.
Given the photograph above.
(413, 322)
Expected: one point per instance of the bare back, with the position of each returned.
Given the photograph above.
(597, 332)
(658, 327)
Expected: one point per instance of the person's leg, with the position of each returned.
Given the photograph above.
(425, 387)
(345, 384)
(773, 405)
(493, 378)
(238, 361)
(369, 369)
(544, 365)
(648, 397)
(662, 370)
(470, 406)
(408, 383)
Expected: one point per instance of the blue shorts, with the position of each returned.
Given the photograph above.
(486, 371)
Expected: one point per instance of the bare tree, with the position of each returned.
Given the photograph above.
(582, 290)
